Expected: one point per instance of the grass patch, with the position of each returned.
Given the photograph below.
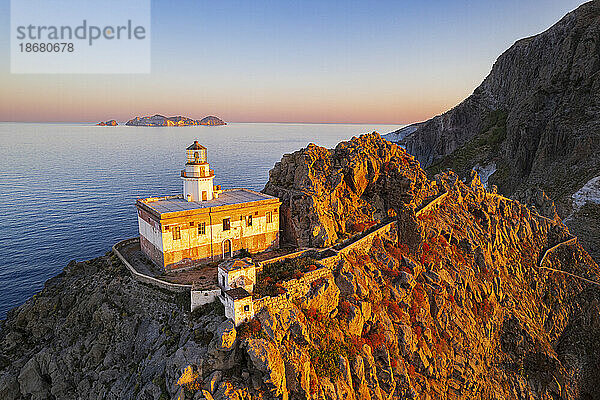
(269, 283)
(326, 358)
(481, 149)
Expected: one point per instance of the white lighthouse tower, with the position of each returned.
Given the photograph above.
(197, 177)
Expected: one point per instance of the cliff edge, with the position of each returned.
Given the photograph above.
(534, 122)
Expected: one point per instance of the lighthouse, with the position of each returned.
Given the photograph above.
(197, 176)
(205, 223)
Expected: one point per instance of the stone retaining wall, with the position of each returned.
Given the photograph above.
(361, 244)
(300, 287)
(273, 302)
(296, 288)
(284, 257)
(432, 204)
(173, 287)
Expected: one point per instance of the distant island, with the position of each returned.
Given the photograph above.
(161, 120)
(112, 122)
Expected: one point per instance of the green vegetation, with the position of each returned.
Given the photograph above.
(202, 337)
(160, 382)
(480, 149)
(273, 274)
(325, 358)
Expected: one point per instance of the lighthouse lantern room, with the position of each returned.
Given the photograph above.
(197, 176)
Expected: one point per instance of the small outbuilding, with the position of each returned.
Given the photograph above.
(237, 273)
(238, 305)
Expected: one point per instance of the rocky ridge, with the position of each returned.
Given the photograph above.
(534, 122)
(327, 194)
(459, 310)
(111, 122)
(161, 120)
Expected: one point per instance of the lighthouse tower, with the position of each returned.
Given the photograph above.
(197, 177)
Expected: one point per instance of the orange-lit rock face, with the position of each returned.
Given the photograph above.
(327, 192)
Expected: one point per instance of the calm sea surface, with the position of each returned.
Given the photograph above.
(67, 191)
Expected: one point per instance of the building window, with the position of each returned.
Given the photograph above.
(269, 217)
(226, 224)
(249, 220)
(202, 228)
(246, 308)
(176, 233)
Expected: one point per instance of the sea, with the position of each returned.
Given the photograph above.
(68, 191)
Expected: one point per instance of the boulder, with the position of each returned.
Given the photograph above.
(356, 321)
(265, 357)
(225, 335)
(213, 381)
(406, 340)
(323, 298)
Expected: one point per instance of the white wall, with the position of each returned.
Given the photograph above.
(200, 297)
(195, 186)
(151, 234)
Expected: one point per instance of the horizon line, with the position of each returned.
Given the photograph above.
(122, 123)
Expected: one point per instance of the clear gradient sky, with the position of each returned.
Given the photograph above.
(391, 62)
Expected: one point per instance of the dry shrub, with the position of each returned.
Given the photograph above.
(419, 294)
(298, 274)
(254, 326)
(312, 314)
(374, 337)
(411, 371)
(361, 226)
(345, 308)
(394, 308)
(317, 282)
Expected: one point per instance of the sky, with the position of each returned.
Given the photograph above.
(389, 62)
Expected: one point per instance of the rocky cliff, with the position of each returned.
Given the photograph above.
(327, 193)
(161, 120)
(458, 308)
(534, 122)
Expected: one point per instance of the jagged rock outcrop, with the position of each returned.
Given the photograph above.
(534, 121)
(161, 120)
(111, 122)
(326, 193)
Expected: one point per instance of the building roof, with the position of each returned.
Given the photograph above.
(196, 146)
(235, 264)
(237, 293)
(175, 204)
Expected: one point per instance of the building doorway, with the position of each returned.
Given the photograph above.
(204, 195)
(227, 248)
